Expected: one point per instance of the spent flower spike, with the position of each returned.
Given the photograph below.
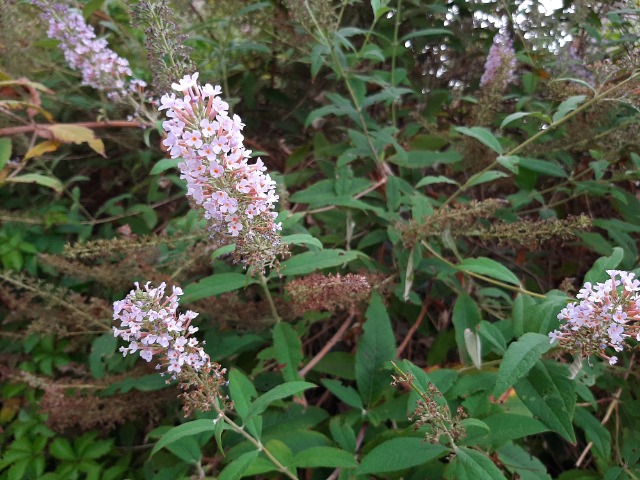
(607, 314)
(237, 197)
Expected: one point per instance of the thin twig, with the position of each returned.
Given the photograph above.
(612, 406)
(413, 328)
(328, 346)
(42, 129)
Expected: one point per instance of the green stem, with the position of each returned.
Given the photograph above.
(265, 288)
(393, 61)
(598, 97)
(482, 277)
(256, 443)
(342, 73)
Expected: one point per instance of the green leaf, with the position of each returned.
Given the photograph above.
(435, 179)
(103, 346)
(242, 391)
(569, 105)
(379, 8)
(91, 7)
(510, 162)
(426, 32)
(315, 457)
(302, 239)
(237, 467)
(148, 214)
(216, 284)
(513, 117)
(225, 250)
(594, 431)
(376, 347)
(308, 262)
(597, 273)
(520, 357)
(343, 434)
(488, 268)
(62, 449)
(399, 454)
(466, 315)
(164, 165)
(484, 136)
(43, 180)
(476, 430)
(425, 158)
(181, 431)
(549, 394)
(347, 394)
(542, 166)
(518, 460)
(485, 177)
(510, 426)
(278, 392)
(288, 349)
(473, 465)
(493, 335)
(5, 151)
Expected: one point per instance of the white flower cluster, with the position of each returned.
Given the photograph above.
(150, 323)
(101, 67)
(237, 196)
(605, 316)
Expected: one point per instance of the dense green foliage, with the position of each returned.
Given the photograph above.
(437, 226)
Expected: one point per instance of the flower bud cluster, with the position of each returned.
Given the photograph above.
(101, 67)
(500, 62)
(606, 315)
(150, 323)
(238, 197)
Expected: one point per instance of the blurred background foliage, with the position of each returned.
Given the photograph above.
(361, 110)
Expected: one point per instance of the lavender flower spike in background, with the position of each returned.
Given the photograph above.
(101, 67)
(501, 61)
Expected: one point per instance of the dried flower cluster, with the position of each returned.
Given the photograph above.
(606, 315)
(327, 292)
(432, 411)
(150, 323)
(70, 411)
(101, 67)
(237, 197)
(458, 218)
(500, 63)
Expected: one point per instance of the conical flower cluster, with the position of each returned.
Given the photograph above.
(150, 323)
(237, 197)
(607, 314)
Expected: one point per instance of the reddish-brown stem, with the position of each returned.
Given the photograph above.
(327, 348)
(42, 129)
(413, 328)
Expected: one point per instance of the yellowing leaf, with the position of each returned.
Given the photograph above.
(76, 134)
(38, 178)
(42, 148)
